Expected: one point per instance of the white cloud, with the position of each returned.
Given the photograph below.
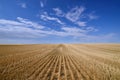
(10, 31)
(26, 29)
(92, 16)
(80, 23)
(23, 5)
(91, 29)
(109, 37)
(73, 30)
(58, 12)
(70, 31)
(30, 23)
(41, 4)
(10, 22)
(23, 28)
(75, 13)
(46, 17)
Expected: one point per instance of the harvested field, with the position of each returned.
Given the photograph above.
(60, 62)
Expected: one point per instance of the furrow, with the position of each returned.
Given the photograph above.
(59, 68)
(39, 67)
(14, 64)
(55, 77)
(44, 69)
(19, 72)
(64, 64)
(53, 72)
(62, 69)
(49, 69)
(23, 62)
(69, 71)
(41, 58)
(76, 70)
(79, 72)
(72, 68)
(82, 65)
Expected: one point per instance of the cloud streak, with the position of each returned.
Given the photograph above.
(46, 17)
(30, 23)
(41, 4)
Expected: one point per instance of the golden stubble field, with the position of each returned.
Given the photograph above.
(60, 62)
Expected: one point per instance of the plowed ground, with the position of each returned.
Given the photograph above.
(60, 62)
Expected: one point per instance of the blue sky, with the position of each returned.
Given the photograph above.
(59, 21)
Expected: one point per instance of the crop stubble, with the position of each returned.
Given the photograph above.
(60, 62)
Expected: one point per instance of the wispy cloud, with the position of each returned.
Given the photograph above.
(10, 22)
(75, 13)
(81, 23)
(23, 5)
(59, 12)
(109, 37)
(26, 29)
(23, 28)
(92, 16)
(41, 4)
(73, 30)
(46, 17)
(30, 23)
(91, 29)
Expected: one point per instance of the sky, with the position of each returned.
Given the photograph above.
(59, 21)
